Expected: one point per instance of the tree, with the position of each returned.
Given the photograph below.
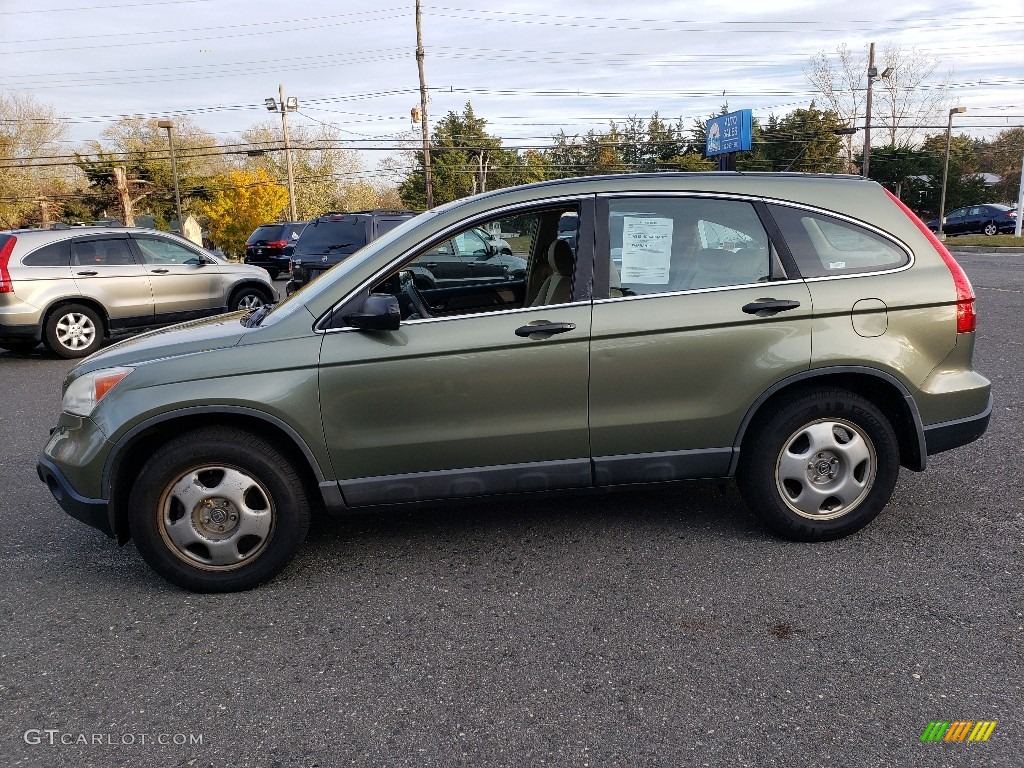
(903, 101)
(464, 160)
(30, 131)
(964, 184)
(803, 140)
(1003, 156)
(900, 168)
(327, 176)
(239, 202)
(141, 148)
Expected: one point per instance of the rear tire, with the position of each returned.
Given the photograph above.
(218, 510)
(821, 465)
(991, 229)
(73, 330)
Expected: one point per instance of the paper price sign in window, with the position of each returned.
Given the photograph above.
(646, 249)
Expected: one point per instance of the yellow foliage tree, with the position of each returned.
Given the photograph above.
(241, 201)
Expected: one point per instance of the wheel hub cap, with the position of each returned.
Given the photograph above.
(215, 517)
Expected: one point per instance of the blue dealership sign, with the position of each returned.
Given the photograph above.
(730, 133)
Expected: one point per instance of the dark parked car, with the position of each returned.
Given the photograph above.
(270, 246)
(805, 335)
(473, 256)
(330, 239)
(988, 219)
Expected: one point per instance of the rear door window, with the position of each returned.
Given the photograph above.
(824, 246)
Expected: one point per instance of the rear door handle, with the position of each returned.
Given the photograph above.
(550, 329)
(763, 307)
(88, 272)
(160, 271)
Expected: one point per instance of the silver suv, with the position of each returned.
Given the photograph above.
(70, 288)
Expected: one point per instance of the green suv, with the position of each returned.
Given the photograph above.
(806, 335)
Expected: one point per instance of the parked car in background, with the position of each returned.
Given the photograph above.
(988, 219)
(330, 239)
(473, 257)
(72, 287)
(270, 246)
(805, 335)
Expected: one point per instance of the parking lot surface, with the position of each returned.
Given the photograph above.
(648, 629)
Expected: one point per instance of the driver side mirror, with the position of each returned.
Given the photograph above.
(378, 312)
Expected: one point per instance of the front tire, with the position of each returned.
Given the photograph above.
(218, 510)
(248, 298)
(73, 331)
(822, 465)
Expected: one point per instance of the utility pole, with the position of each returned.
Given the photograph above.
(286, 105)
(872, 74)
(174, 173)
(423, 110)
(287, 155)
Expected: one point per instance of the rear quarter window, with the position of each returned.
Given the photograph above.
(824, 246)
(52, 255)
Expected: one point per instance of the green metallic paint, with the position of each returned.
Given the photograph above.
(688, 384)
(456, 393)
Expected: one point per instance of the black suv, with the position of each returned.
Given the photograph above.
(270, 246)
(333, 237)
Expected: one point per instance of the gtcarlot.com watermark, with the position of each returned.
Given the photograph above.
(56, 737)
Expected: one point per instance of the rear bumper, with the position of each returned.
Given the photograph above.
(92, 512)
(20, 332)
(953, 434)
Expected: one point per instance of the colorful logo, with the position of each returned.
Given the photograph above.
(959, 730)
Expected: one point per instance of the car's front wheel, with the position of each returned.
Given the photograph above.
(73, 330)
(218, 510)
(248, 298)
(820, 466)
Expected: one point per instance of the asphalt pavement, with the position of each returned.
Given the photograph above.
(662, 628)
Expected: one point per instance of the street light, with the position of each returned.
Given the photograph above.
(291, 104)
(174, 172)
(945, 168)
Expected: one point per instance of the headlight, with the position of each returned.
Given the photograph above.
(86, 391)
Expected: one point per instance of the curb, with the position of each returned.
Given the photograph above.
(984, 248)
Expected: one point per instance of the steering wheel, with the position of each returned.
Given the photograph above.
(419, 303)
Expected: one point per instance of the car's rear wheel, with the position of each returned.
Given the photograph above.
(820, 466)
(73, 330)
(991, 229)
(218, 510)
(274, 273)
(248, 298)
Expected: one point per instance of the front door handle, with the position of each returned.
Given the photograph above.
(160, 271)
(550, 329)
(88, 272)
(764, 307)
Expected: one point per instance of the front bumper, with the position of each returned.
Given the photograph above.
(94, 512)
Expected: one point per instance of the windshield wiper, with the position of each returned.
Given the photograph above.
(339, 245)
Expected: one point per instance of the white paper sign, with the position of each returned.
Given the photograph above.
(646, 249)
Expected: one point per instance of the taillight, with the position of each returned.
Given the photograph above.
(966, 317)
(276, 243)
(6, 284)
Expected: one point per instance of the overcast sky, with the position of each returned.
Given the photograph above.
(530, 68)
